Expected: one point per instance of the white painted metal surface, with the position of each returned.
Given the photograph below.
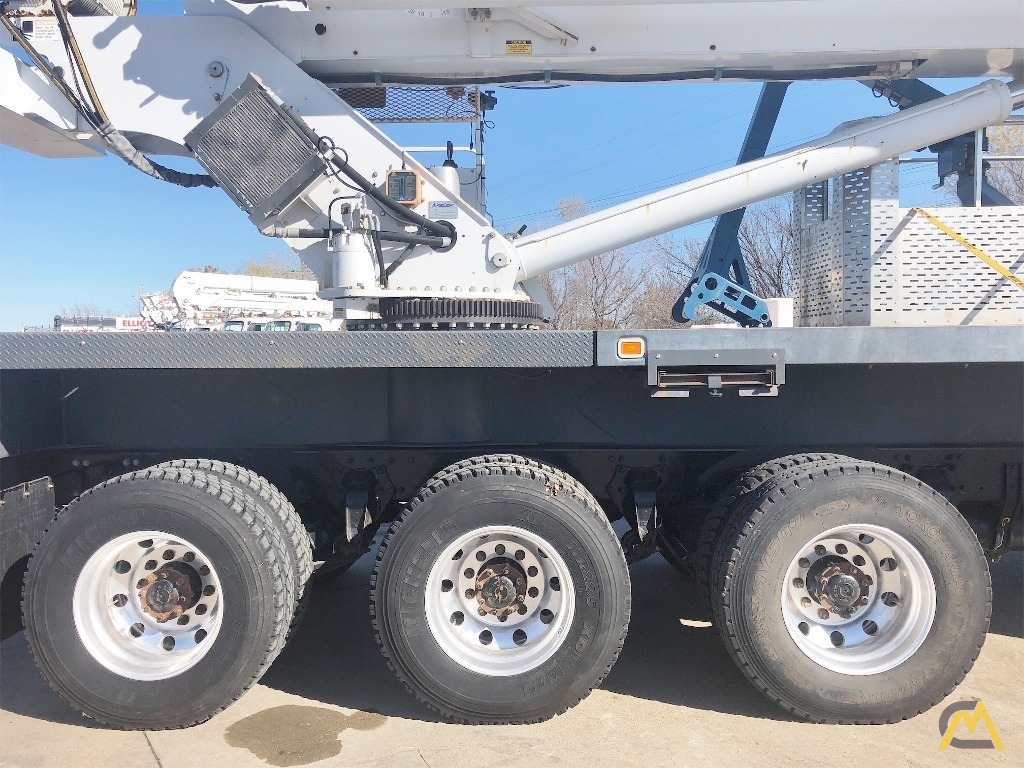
(692, 38)
(159, 77)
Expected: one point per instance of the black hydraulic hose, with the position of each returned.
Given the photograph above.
(94, 114)
(127, 152)
(378, 78)
(398, 262)
(77, 60)
(411, 239)
(378, 252)
(52, 74)
(399, 211)
(314, 233)
(326, 146)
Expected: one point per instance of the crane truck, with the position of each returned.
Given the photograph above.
(209, 299)
(835, 493)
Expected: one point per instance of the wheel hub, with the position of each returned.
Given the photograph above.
(147, 605)
(858, 599)
(838, 585)
(499, 600)
(166, 594)
(501, 587)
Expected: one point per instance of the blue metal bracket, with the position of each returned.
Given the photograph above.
(727, 297)
(721, 261)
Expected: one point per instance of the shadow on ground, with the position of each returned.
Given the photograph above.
(672, 654)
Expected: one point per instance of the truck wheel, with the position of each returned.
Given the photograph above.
(716, 523)
(853, 593)
(298, 553)
(501, 594)
(157, 598)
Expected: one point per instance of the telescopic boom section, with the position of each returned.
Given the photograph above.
(842, 151)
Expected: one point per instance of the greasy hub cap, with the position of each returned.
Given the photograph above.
(838, 585)
(501, 587)
(169, 592)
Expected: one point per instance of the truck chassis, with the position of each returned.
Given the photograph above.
(689, 442)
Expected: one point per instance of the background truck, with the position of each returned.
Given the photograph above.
(210, 299)
(834, 492)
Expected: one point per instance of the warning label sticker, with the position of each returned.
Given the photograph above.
(39, 29)
(519, 47)
(442, 209)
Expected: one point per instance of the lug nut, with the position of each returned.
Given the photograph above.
(820, 550)
(805, 602)
(822, 614)
(481, 611)
(804, 563)
(798, 583)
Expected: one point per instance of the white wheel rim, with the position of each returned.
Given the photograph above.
(147, 605)
(892, 593)
(538, 612)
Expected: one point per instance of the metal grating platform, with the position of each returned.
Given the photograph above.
(428, 104)
(861, 259)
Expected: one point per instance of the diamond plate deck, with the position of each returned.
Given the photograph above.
(362, 349)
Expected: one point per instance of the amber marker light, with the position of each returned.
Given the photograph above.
(632, 348)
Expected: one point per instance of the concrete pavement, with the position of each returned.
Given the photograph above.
(673, 698)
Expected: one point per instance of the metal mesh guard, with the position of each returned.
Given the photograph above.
(431, 104)
(252, 149)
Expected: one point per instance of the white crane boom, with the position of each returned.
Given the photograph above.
(258, 91)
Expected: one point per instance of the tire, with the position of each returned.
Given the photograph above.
(717, 521)
(298, 552)
(108, 655)
(913, 568)
(552, 539)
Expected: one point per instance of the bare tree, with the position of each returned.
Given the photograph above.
(767, 242)
(638, 286)
(277, 264)
(598, 293)
(1007, 177)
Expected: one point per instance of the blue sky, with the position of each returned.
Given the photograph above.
(94, 232)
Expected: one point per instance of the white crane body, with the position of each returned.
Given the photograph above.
(848, 591)
(302, 57)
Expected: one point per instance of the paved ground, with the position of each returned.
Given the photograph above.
(673, 698)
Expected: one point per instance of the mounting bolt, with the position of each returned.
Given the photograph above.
(500, 260)
(215, 69)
